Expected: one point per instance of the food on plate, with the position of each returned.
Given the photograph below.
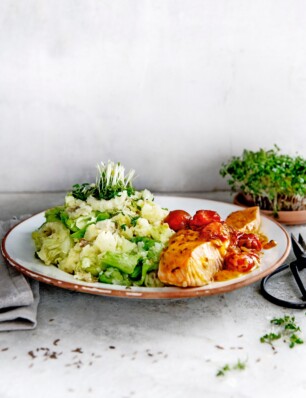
(203, 217)
(177, 219)
(111, 233)
(106, 232)
(189, 260)
(207, 248)
(245, 221)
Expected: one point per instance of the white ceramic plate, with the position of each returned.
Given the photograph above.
(18, 249)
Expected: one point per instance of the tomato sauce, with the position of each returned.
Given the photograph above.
(225, 275)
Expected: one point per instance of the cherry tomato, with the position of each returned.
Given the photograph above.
(202, 218)
(241, 262)
(235, 236)
(250, 241)
(178, 219)
(215, 230)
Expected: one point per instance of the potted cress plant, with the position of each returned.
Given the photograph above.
(273, 181)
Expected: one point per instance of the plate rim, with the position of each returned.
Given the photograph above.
(126, 292)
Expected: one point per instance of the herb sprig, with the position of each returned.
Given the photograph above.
(272, 180)
(226, 368)
(288, 330)
(111, 181)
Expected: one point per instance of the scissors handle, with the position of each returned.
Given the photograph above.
(277, 301)
(295, 268)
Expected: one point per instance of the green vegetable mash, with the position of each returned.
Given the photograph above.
(106, 232)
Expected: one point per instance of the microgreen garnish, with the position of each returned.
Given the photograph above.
(294, 339)
(111, 181)
(223, 370)
(226, 368)
(240, 365)
(83, 191)
(272, 180)
(269, 337)
(288, 330)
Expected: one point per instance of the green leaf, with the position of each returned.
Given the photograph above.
(114, 276)
(83, 191)
(268, 338)
(125, 262)
(240, 365)
(54, 214)
(223, 370)
(226, 368)
(287, 329)
(148, 243)
(294, 339)
(101, 216)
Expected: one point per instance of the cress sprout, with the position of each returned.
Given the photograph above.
(268, 179)
(111, 181)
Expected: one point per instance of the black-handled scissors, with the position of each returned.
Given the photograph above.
(296, 266)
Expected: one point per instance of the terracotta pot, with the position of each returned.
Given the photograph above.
(288, 217)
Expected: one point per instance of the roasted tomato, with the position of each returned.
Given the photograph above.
(178, 219)
(250, 241)
(202, 218)
(234, 235)
(215, 230)
(240, 261)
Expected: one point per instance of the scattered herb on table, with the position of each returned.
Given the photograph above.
(269, 337)
(287, 329)
(223, 370)
(240, 365)
(226, 368)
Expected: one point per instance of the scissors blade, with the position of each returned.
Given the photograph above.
(297, 248)
(302, 242)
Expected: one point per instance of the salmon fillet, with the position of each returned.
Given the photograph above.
(193, 257)
(189, 260)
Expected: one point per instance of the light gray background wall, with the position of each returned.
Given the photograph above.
(171, 88)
